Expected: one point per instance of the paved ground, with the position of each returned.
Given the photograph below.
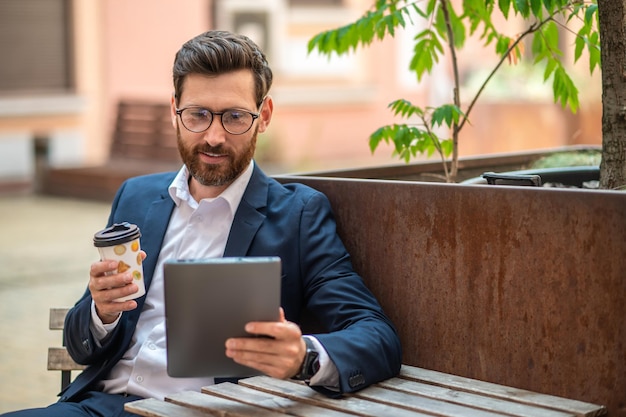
(45, 253)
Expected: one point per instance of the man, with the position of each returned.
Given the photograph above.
(221, 204)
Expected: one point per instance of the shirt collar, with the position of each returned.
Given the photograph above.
(179, 189)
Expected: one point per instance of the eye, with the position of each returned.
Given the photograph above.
(235, 115)
(199, 113)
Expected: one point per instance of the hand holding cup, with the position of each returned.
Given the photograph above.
(118, 277)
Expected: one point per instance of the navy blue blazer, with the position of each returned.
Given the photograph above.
(291, 221)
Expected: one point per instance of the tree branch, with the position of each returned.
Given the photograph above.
(531, 29)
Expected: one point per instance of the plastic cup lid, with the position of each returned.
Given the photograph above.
(116, 234)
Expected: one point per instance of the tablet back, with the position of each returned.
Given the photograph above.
(210, 300)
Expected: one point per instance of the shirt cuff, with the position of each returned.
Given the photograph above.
(100, 330)
(328, 375)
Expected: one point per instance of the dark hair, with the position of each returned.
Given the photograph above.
(217, 52)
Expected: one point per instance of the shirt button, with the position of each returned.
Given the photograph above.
(152, 346)
(139, 379)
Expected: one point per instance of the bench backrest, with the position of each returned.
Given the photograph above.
(58, 358)
(521, 286)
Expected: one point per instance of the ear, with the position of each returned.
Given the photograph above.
(173, 110)
(265, 117)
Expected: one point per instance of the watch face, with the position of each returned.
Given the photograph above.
(312, 360)
(310, 364)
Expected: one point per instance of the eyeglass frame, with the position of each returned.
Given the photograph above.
(255, 116)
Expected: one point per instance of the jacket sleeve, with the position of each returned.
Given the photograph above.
(80, 342)
(360, 339)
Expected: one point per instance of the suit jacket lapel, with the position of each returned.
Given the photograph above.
(153, 233)
(249, 216)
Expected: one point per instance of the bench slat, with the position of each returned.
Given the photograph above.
(154, 408)
(453, 403)
(206, 402)
(60, 360)
(268, 401)
(57, 318)
(349, 404)
(574, 407)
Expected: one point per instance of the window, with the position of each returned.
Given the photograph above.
(35, 46)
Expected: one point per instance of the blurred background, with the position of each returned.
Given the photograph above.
(66, 64)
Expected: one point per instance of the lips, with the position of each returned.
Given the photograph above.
(212, 157)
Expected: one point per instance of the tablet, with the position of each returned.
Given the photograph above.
(210, 300)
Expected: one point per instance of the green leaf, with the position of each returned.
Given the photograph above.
(522, 7)
(594, 52)
(536, 7)
(549, 5)
(440, 24)
(405, 108)
(408, 140)
(502, 46)
(539, 47)
(426, 53)
(550, 32)
(550, 67)
(580, 41)
(564, 89)
(432, 5)
(376, 138)
(419, 11)
(504, 6)
(382, 21)
(458, 28)
(447, 113)
(590, 12)
(447, 147)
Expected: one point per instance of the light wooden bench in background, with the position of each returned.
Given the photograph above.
(143, 142)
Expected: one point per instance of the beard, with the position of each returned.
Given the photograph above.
(220, 174)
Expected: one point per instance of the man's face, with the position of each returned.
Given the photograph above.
(215, 157)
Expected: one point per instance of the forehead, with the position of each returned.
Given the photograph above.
(232, 89)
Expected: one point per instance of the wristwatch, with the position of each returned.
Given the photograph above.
(310, 364)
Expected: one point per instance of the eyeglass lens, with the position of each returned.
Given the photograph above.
(234, 121)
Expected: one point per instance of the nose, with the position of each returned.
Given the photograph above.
(215, 134)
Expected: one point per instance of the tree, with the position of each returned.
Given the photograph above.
(612, 16)
(447, 30)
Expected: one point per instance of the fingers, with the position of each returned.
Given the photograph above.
(106, 285)
(279, 355)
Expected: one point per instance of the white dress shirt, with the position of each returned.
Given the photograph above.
(196, 230)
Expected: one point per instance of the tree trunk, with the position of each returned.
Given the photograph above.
(612, 18)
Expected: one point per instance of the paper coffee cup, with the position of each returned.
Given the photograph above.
(120, 242)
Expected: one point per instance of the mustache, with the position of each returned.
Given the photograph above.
(220, 149)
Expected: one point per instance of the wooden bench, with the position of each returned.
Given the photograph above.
(143, 142)
(58, 358)
(415, 392)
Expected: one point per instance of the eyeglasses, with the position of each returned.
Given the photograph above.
(199, 119)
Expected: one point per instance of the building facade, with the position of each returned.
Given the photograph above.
(69, 62)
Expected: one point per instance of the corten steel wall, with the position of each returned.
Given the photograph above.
(515, 285)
